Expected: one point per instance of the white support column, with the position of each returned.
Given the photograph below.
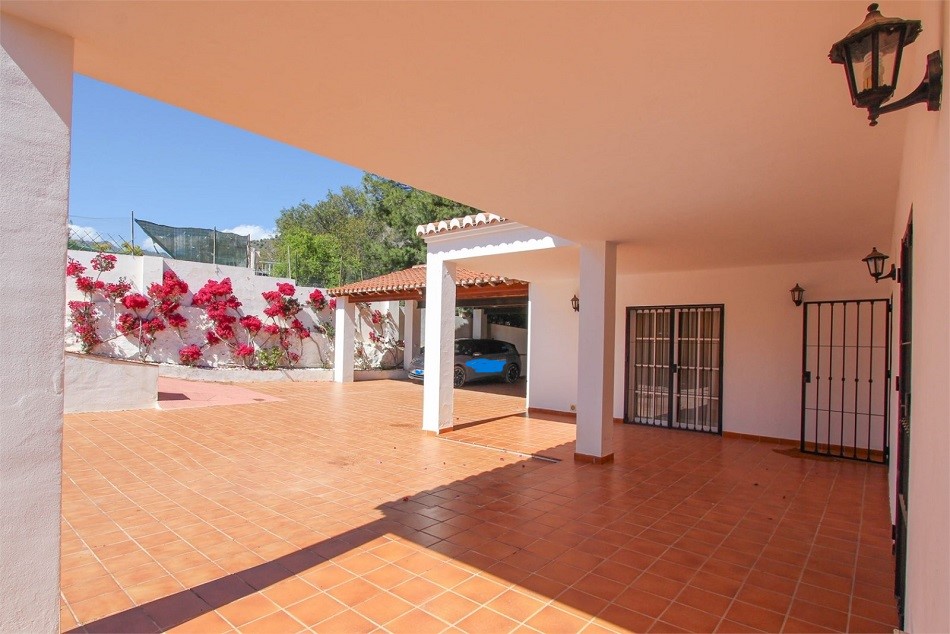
(479, 330)
(437, 405)
(595, 384)
(344, 341)
(410, 334)
(36, 88)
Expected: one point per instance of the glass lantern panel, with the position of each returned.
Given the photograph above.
(860, 53)
(888, 45)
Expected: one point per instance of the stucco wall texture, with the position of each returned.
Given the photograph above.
(36, 70)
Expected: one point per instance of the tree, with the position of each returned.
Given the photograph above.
(399, 209)
(358, 233)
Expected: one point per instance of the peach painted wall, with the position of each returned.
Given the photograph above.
(924, 187)
(763, 330)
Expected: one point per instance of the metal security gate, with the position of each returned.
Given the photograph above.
(674, 367)
(846, 365)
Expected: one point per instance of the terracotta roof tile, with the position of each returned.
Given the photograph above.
(454, 224)
(414, 279)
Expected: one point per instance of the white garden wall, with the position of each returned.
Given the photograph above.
(141, 271)
(99, 384)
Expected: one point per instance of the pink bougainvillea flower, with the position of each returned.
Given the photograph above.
(74, 268)
(85, 284)
(135, 301)
(176, 320)
(103, 262)
(252, 323)
(271, 329)
(332, 304)
(190, 355)
(244, 350)
(317, 300)
(116, 290)
(286, 288)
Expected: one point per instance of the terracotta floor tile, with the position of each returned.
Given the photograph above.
(208, 623)
(754, 616)
(348, 622)
(416, 622)
(319, 488)
(861, 624)
(354, 592)
(689, 618)
(450, 607)
(290, 591)
(276, 622)
(248, 609)
(417, 590)
(383, 608)
(515, 605)
(819, 615)
(704, 600)
(315, 609)
(485, 620)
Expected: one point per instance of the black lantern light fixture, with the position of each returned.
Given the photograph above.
(875, 261)
(798, 294)
(871, 55)
(575, 303)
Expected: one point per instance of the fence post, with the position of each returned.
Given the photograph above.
(132, 244)
(214, 245)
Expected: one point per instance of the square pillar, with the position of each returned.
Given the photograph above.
(595, 354)
(410, 331)
(36, 90)
(437, 405)
(479, 324)
(344, 340)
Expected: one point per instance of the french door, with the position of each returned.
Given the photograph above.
(674, 367)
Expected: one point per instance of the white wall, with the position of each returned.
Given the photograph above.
(762, 339)
(517, 336)
(142, 271)
(552, 345)
(924, 186)
(97, 384)
(36, 69)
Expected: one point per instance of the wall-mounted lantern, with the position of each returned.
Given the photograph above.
(875, 261)
(575, 303)
(871, 55)
(798, 294)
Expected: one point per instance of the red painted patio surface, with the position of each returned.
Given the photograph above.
(327, 509)
(181, 394)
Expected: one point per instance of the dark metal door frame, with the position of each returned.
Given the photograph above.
(818, 424)
(666, 372)
(904, 410)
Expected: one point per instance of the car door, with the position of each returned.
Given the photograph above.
(486, 358)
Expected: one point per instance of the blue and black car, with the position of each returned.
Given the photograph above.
(477, 359)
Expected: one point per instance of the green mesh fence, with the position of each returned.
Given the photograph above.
(199, 245)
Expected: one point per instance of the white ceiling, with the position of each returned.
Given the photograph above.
(697, 133)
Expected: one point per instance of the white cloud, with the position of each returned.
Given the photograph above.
(256, 232)
(89, 234)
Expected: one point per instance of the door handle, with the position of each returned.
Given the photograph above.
(807, 376)
(675, 368)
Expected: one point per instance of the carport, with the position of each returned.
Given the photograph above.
(482, 293)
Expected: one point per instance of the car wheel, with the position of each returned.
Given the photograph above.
(512, 373)
(458, 379)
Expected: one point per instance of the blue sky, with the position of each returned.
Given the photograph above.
(177, 168)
